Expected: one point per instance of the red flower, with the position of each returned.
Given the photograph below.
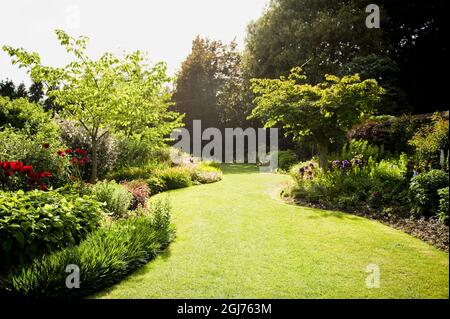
(27, 169)
(16, 166)
(74, 160)
(48, 174)
(46, 145)
(43, 187)
(44, 174)
(34, 177)
(84, 160)
(69, 151)
(5, 165)
(60, 153)
(78, 150)
(83, 152)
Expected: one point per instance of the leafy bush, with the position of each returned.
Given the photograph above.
(362, 149)
(423, 192)
(206, 172)
(175, 177)
(443, 204)
(351, 186)
(38, 151)
(20, 114)
(429, 140)
(391, 132)
(286, 159)
(140, 191)
(33, 223)
(139, 152)
(156, 184)
(104, 258)
(132, 173)
(304, 170)
(75, 137)
(117, 198)
(133, 152)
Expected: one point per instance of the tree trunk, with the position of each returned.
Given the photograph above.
(323, 156)
(94, 162)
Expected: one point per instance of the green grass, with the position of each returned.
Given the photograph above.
(236, 239)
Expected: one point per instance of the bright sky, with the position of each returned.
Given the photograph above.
(163, 28)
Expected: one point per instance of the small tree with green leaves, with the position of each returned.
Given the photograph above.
(321, 112)
(431, 143)
(109, 95)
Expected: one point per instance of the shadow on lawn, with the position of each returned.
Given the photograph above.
(229, 169)
(318, 213)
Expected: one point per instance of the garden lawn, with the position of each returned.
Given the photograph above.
(236, 239)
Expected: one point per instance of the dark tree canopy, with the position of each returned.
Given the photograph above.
(211, 87)
(9, 89)
(325, 35)
(319, 35)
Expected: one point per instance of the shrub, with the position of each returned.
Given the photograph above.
(286, 159)
(33, 223)
(391, 132)
(443, 204)
(175, 177)
(139, 152)
(75, 137)
(104, 258)
(117, 198)
(133, 152)
(132, 173)
(423, 192)
(37, 151)
(303, 171)
(206, 172)
(361, 149)
(429, 140)
(140, 191)
(20, 114)
(350, 186)
(156, 184)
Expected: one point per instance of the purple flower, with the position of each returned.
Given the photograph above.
(345, 164)
(302, 170)
(311, 165)
(356, 161)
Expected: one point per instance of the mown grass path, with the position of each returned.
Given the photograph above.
(235, 239)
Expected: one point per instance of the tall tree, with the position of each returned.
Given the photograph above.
(107, 95)
(418, 31)
(9, 89)
(321, 113)
(36, 92)
(324, 35)
(319, 35)
(211, 86)
(197, 84)
(386, 71)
